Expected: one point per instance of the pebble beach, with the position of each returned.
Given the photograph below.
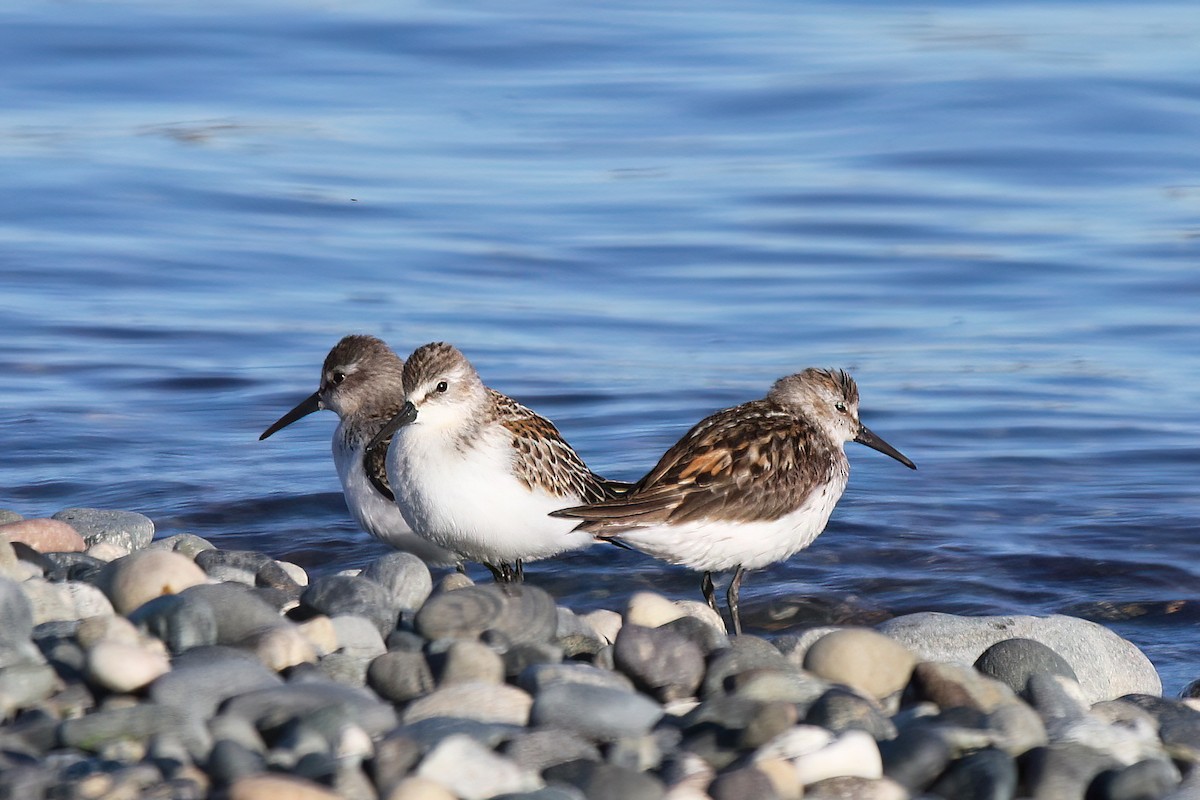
(136, 667)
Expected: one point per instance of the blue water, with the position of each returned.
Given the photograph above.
(629, 215)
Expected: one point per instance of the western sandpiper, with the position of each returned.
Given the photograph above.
(747, 486)
(362, 382)
(478, 473)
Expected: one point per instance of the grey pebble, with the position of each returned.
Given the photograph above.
(7, 515)
(204, 677)
(394, 757)
(180, 621)
(188, 544)
(536, 750)
(1178, 724)
(743, 783)
(600, 781)
(239, 566)
(661, 662)
(596, 712)
(1013, 661)
(104, 727)
(357, 636)
(916, 757)
(400, 676)
(840, 710)
(537, 677)
(272, 707)
(575, 635)
(1063, 770)
(465, 661)
(238, 610)
(128, 529)
(428, 733)
(1144, 780)
(404, 577)
(521, 657)
(22, 685)
(350, 594)
(511, 614)
(545, 793)
(483, 702)
(230, 760)
(16, 614)
(744, 654)
(73, 567)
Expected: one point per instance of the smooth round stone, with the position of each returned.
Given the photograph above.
(133, 580)
(22, 685)
(7, 515)
(404, 577)
(771, 685)
(915, 758)
(852, 754)
(16, 614)
(1056, 698)
(295, 572)
(465, 661)
(121, 667)
(127, 529)
(278, 787)
(650, 609)
(417, 788)
(606, 624)
(357, 636)
(181, 622)
(1178, 724)
(660, 662)
(239, 611)
(282, 646)
(770, 720)
(204, 677)
(44, 535)
(699, 632)
(797, 742)
(322, 635)
(536, 750)
(335, 705)
(600, 781)
(400, 676)
(472, 771)
(481, 702)
(65, 601)
(1108, 666)
(230, 760)
(511, 614)
(840, 710)
(862, 659)
(187, 544)
(74, 567)
(574, 635)
(1145, 780)
(850, 788)
(1016, 728)
(596, 712)
(240, 566)
(1013, 661)
(137, 722)
(334, 595)
(953, 685)
(745, 653)
(520, 657)
(107, 551)
(536, 678)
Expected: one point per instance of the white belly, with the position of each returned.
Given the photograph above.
(716, 546)
(378, 515)
(470, 502)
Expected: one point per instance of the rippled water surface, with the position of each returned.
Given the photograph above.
(630, 215)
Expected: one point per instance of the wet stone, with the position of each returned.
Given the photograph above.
(348, 594)
(660, 662)
(915, 758)
(596, 712)
(404, 577)
(127, 529)
(1013, 661)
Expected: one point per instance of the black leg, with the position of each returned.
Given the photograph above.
(734, 586)
(519, 572)
(502, 573)
(707, 589)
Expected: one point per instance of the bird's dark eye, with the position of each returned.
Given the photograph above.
(338, 377)
(441, 387)
(840, 406)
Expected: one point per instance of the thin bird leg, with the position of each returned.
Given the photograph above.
(500, 573)
(708, 590)
(732, 596)
(519, 572)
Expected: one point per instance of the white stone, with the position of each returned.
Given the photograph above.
(295, 572)
(702, 612)
(474, 772)
(121, 667)
(320, 633)
(357, 636)
(651, 610)
(107, 551)
(797, 741)
(94, 630)
(282, 647)
(606, 624)
(853, 754)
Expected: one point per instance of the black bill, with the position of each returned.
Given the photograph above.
(407, 414)
(865, 436)
(307, 406)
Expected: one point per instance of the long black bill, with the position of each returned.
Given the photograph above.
(865, 436)
(407, 414)
(307, 406)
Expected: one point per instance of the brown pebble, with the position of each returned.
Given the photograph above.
(45, 535)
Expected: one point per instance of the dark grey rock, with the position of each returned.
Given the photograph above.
(744, 654)
(187, 544)
(1063, 770)
(230, 760)
(239, 566)
(274, 578)
(1012, 661)
(699, 632)
(987, 774)
(406, 641)
(1145, 780)
(400, 676)
(545, 793)
(510, 614)
(537, 750)
(842, 710)
(180, 621)
(741, 784)
(72, 567)
(660, 662)
(273, 707)
(128, 529)
(600, 781)
(350, 594)
(23, 553)
(204, 677)
(520, 657)
(240, 613)
(140, 722)
(770, 719)
(32, 733)
(915, 758)
(394, 757)
(596, 712)
(1054, 698)
(404, 577)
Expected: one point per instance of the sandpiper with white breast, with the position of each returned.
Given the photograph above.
(362, 382)
(477, 472)
(746, 487)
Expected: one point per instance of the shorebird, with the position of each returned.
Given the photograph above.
(478, 473)
(746, 487)
(361, 382)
